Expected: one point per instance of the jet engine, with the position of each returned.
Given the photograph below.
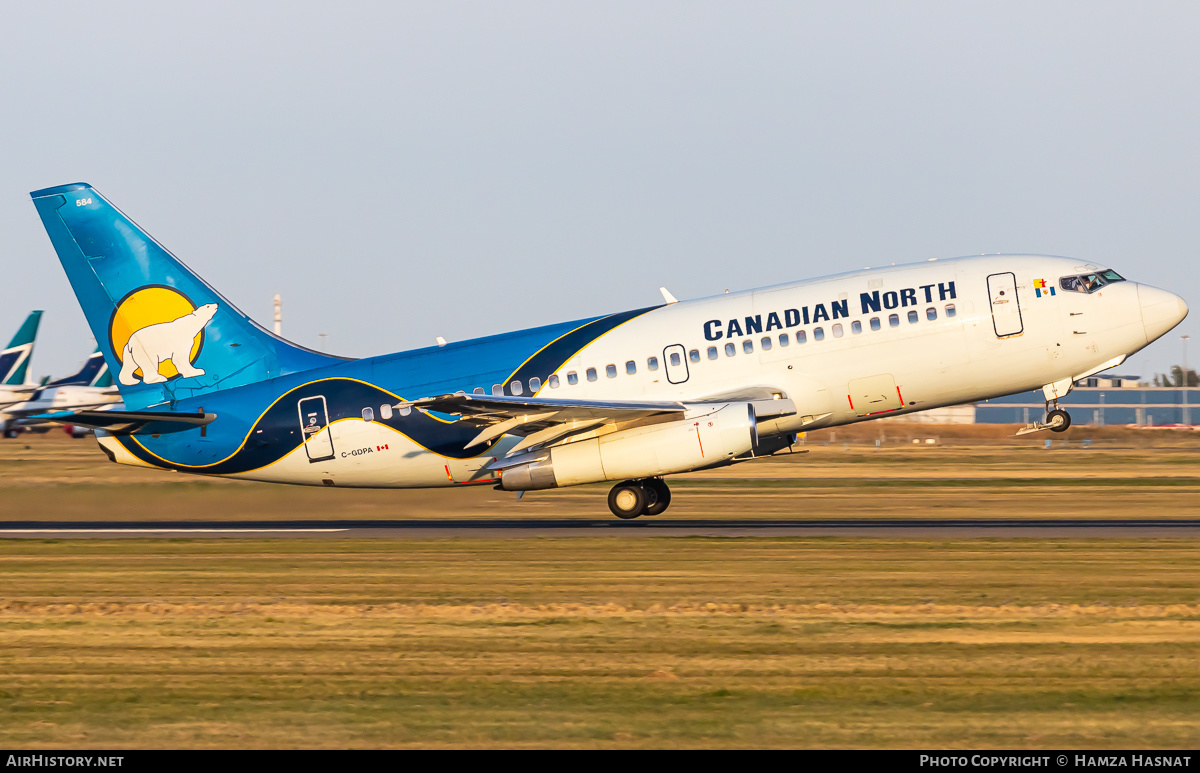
(707, 436)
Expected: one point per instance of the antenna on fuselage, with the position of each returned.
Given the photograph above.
(278, 315)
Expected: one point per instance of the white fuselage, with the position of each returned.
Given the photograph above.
(844, 349)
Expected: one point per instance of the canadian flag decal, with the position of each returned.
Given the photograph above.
(381, 448)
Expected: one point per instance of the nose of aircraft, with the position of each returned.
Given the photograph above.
(1161, 310)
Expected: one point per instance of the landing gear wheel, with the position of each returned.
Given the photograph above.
(660, 493)
(627, 500)
(1053, 418)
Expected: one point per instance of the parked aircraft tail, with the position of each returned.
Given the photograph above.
(93, 372)
(164, 332)
(14, 360)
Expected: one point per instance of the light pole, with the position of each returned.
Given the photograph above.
(1183, 376)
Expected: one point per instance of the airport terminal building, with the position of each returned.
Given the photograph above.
(1100, 401)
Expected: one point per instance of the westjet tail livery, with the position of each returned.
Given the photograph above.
(628, 397)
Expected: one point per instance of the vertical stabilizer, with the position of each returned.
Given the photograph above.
(94, 370)
(164, 332)
(14, 360)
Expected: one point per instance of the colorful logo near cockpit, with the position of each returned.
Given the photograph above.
(1041, 289)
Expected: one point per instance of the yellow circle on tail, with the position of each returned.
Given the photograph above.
(145, 307)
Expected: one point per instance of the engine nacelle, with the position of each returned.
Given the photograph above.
(705, 436)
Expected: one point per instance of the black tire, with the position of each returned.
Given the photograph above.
(627, 500)
(662, 496)
(11, 433)
(1066, 420)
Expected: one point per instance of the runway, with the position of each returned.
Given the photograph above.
(644, 527)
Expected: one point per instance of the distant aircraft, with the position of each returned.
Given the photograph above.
(14, 367)
(627, 397)
(90, 388)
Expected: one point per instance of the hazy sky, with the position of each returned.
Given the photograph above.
(400, 171)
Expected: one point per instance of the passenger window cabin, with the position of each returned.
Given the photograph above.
(572, 378)
(712, 353)
(730, 350)
(591, 374)
(894, 320)
(875, 323)
(630, 367)
(610, 370)
(912, 317)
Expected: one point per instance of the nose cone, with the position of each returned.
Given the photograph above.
(1161, 310)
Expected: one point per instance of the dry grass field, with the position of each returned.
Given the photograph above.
(972, 471)
(609, 642)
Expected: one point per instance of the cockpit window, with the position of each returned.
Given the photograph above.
(1089, 283)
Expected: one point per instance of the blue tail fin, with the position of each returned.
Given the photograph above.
(14, 360)
(165, 333)
(94, 370)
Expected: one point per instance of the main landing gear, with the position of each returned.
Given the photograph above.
(631, 498)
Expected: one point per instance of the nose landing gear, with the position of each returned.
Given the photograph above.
(632, 498)
(1057, 420)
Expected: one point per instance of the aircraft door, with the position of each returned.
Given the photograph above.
(314, 427)
(675, 361)
(1006, 309)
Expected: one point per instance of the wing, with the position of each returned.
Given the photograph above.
(543, 421)
(548, 421)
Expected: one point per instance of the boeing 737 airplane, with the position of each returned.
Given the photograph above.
(628, 397)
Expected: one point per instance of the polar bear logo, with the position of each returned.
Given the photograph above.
(156, 344)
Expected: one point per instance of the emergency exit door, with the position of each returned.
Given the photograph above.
(1006, 309)
(314, 428)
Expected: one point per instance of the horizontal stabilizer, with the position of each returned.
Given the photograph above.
(130, 422)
